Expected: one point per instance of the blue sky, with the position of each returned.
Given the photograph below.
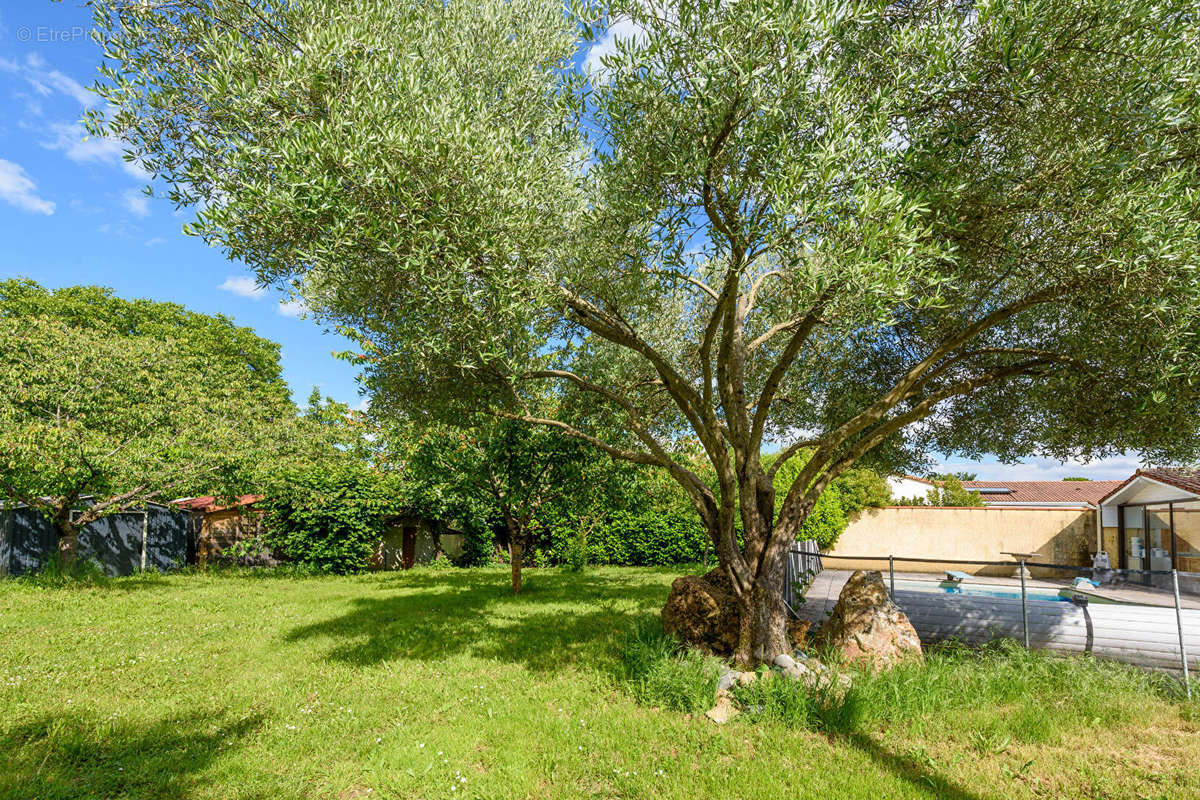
(72, 212)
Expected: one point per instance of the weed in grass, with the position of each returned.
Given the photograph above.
(774, 698)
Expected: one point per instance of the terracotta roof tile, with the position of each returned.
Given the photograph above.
(1186, 479)
(1045, 491)
(208, 504)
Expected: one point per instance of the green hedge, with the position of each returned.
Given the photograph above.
(636, 539)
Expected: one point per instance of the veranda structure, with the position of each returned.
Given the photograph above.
(1152, 521)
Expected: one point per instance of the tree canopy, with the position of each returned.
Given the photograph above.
(864, 230)
(109, 403)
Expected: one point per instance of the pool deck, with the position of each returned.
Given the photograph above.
(828, 585)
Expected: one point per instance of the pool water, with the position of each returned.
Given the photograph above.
(981, 590)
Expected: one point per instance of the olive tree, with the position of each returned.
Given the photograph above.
(854, 229)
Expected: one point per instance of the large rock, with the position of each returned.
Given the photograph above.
(866, 627)
(702, 612)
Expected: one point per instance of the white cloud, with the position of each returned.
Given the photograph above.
(243, 287)
(136, 202)
(120, 229)
(1046, 469)
(46, 81)
(593, 65)
(293, 308)
(69, 86)
(17, 189)
(157, 240)
(76, 144)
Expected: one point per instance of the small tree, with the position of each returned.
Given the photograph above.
(946, 492)
(508, 471)
(108, 404)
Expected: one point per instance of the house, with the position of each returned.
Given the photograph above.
(1152, 521)
(909, 487)
(1149, 521)
(153, 537)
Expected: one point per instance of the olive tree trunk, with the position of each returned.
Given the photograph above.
(763, 633)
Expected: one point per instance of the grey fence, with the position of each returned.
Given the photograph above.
(1146, 617)
(803, 565)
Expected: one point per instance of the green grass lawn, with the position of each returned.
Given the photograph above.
(440, 684)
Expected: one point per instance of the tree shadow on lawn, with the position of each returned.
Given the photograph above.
(74, 755)
(558, 620)
(919, 773)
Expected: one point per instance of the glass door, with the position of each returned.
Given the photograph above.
(1158, 536)
(1135, 536)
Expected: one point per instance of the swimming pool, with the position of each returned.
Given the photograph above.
(981, 590)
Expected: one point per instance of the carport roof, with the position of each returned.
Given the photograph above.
(1186, 480)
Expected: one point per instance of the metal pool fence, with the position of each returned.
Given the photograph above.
(1145, 617)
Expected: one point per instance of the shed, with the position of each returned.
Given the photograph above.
(155, 537)
(219, 525)
(409, 540)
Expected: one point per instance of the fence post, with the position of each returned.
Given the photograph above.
(892, 576)
(145, 524)
(1187, 685)
(1024, 607)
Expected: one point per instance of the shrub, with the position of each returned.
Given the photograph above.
(478, 548)
(826, 521)
(576, 558)
(328, 518)
(661, 673)
(848, 494)
(645, 538)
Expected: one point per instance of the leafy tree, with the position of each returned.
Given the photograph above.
(507, 471)
(849, 493)
(628, 515)
(947, 492)
(961, 476)
(108, 403)
(871, 229)
(1076, 479)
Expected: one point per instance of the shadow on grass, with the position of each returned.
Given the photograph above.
(920, 773)
(74, 756)
(559, 619)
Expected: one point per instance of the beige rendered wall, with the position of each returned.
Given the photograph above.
(1057, 535)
